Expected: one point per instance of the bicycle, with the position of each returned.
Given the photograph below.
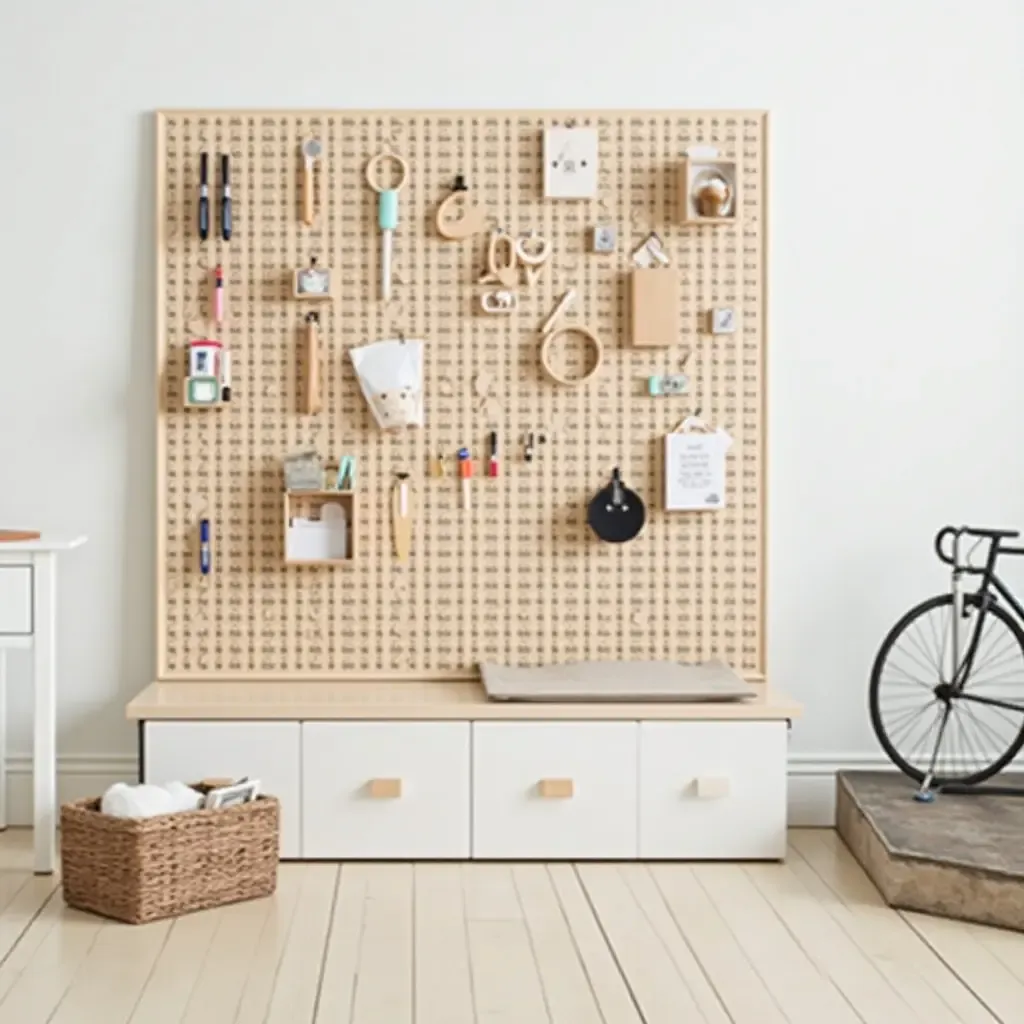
(950, 674)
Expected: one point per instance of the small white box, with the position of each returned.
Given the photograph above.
(570, 163)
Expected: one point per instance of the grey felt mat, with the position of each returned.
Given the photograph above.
(616, 681)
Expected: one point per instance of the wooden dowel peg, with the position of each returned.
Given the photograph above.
(556, 789)
(402, 515)
(384, 789)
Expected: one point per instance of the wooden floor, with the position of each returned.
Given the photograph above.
(808, 941)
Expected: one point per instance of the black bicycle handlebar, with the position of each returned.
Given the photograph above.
(968, 531)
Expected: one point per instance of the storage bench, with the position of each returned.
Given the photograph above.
(432, 770)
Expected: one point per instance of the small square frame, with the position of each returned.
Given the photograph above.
(312, 283)
(722, 320)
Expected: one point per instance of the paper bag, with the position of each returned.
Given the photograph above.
(390, 375)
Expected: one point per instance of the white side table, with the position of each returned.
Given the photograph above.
(28, 618)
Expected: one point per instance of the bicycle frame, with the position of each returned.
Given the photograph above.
(983, 599)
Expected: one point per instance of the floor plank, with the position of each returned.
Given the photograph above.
(828, 947)
(661, 991)
(1006, 946)
(925, 982)
(804, 993)
(164, 998)
(652, 903)
(41, 984)
(297, 978)
(567, 990)
(443, 982)
(35, 934)
(278, 929)
(341, 960)
(610, 989)
(507, 988)
(220, 986)
(107, 984)
(974, 963)
(384, 980)
(490, 894)
(744, 994)
(23, 909)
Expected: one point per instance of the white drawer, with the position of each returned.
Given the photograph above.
(713, 790)
(385, 790)
(554, 790)
(268, 751)
(15, 600)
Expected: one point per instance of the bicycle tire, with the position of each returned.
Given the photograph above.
(903, 626)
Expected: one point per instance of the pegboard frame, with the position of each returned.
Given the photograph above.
(755, 673)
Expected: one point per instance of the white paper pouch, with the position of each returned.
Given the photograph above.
(390, 375)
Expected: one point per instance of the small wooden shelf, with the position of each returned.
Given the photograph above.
(688, 173)
(310, 505)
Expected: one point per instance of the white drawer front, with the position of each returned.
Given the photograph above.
(382, 790)
(713, 790)
(268, 751)
(15, 600)
(555, 790)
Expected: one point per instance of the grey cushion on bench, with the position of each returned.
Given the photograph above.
(625, 681)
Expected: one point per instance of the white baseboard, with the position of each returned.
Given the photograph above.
(812, 785)
(78, 776)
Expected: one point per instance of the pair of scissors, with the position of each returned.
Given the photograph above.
(387, 211)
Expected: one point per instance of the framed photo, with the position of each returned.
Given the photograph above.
(313, 282)
(243, 792)
(722, 320)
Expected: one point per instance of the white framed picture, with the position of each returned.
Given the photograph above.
(722, 320)
(695, 470)
(227, 796)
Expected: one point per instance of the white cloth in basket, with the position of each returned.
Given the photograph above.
(124, 801)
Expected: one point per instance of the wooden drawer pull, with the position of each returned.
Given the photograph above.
(385, 789)
(712, 787)
(555, 789)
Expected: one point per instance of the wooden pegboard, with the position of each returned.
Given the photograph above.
(519, 578)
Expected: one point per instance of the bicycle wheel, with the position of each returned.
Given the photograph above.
(909, 702)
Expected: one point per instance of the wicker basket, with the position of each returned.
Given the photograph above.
(144, 870)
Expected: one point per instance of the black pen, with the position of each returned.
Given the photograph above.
(225, 197)
(204, 197)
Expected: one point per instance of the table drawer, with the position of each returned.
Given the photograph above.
(268, 751)
(385, 790)
(713, 790)
(15, 600)
(554, 790)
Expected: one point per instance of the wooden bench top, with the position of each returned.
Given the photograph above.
(440, 700)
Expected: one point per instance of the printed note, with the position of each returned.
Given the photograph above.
(695, 471)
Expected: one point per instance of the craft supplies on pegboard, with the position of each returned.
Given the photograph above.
(449, 562)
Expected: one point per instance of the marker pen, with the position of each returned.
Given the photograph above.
(204, 547)
(225, 375)
(218, 295)
(204, 197)
(492, 463)
(225, 197)
(465, 474)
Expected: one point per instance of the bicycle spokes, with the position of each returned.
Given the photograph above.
(938, 722)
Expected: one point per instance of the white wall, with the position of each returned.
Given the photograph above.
(896, 353)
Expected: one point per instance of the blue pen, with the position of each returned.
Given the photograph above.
(204, 546)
